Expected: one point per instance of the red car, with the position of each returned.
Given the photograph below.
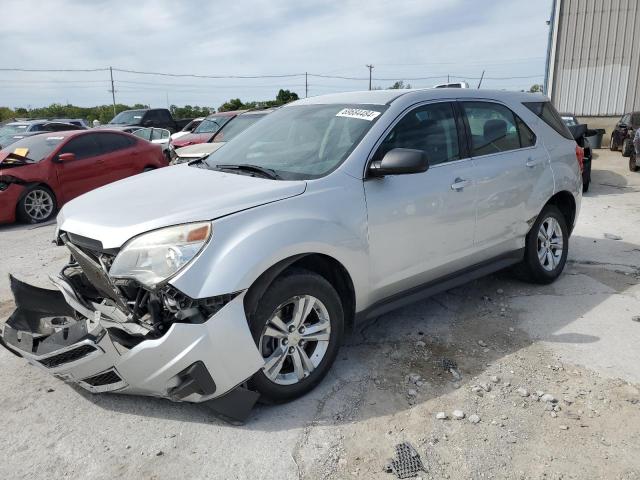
(206, 130)
(39, 174)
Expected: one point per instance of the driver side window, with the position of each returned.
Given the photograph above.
(430, 128)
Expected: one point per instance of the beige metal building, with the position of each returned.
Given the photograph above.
(593, 62)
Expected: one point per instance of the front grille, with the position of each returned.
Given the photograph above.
(105, 378)
(68, 356)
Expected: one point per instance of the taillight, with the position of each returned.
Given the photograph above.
(580, 157)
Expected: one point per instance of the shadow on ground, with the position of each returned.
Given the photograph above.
(470, 327)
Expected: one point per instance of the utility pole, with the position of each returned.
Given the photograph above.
(113, 91)
(448, 81)
(481, 77)
(370, 67)
(306, 85)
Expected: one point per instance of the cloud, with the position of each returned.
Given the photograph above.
(403, 39)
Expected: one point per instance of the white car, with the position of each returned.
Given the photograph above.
(188, 128)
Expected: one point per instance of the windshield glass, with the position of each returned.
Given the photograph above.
(300, 142)
(34, 148)
(569, 121)
(212, 124)
(130, 117)
(237, 125)
(14, 128)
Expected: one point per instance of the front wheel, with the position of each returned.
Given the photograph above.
(627, 147)
(612, 143)
(633, 166)
(38, 204)
(547, 245)
(298, 327)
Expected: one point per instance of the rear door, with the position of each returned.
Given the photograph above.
(508, 166)
(118, 156)
(421, 225)
(84, 173)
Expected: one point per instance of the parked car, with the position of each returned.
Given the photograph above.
(228, 131)
(147, 117)
(235, 277)
(158, 136)
(79, 122)
(7, 139)
(206, 130)
(580, 132)
(29, 126)
(623, 132)
(40, 173)
(188, 128)
(452, 85)
(634, 158)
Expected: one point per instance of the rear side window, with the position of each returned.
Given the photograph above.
(527, 137)
(492, 126)
(112, 142)
(550, 116)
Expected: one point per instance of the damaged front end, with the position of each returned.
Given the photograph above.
(116, 335)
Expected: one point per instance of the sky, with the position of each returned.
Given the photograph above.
(423, 40)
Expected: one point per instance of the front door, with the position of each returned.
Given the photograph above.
(421, 225)
(84, 173)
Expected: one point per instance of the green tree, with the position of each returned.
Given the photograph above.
(231, 105)
(286, 96)
(399, 85)
(536, 88)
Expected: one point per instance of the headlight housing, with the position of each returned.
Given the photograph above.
(153, 257)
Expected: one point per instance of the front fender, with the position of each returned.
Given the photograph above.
(324, 220)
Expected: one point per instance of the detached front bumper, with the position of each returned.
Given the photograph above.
(59, 333)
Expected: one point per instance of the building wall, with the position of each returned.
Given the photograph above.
(594, 65)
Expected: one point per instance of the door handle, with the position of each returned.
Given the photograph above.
(459, 184)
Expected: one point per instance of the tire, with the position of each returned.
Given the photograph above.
(549, 268)
(292, 370)
(37, 204)
(632, 164)
(612, 143)
(585, 186)
(627, 147)
(148, 169)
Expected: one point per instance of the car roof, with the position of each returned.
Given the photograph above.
(385, 97)
(230, 113)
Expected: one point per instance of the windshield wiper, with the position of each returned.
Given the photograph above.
(247, 167)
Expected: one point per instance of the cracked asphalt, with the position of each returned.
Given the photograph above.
(575, 339)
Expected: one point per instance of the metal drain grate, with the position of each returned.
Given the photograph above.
(407, 463)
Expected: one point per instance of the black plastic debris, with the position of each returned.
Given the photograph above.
(407, 462)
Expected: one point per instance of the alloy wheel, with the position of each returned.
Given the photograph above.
(38, 204)
(550, 244)
(295, 340)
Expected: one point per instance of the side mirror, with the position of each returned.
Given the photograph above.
(400, 161)
(66, 157)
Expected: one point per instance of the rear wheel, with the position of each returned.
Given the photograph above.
(38, 204)
(298, 327)
(632, 163)
(547, 245)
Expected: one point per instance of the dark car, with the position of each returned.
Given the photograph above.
(148, 117)
(623, 132)
(40, 173)
(580, 132)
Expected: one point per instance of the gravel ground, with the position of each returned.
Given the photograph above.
(547, 378)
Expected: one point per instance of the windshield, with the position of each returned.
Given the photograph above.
(14, 128)
(129, 117)
(212, 124)
(237, 125)
(300, 142)
(34, 148)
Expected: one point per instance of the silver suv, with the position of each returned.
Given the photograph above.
(237, 276)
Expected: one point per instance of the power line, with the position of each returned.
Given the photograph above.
(192, 75)
(65, 70)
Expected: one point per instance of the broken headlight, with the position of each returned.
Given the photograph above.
(153, 257)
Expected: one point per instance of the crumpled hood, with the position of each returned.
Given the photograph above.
(199, 149)
(167, 196)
